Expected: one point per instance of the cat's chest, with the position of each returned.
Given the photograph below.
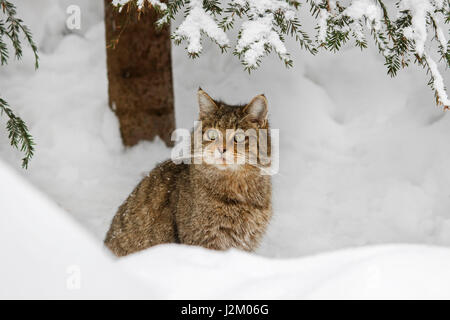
(230, 217)
(220, 221)
(235, 193)
(232, 225)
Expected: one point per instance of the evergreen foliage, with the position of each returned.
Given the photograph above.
(11, 29)
(404, 32)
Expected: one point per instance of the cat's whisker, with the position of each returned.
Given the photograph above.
(266, 169)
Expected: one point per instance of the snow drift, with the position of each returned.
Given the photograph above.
(48, 255)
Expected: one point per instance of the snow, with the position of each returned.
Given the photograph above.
(260, 7)
(363, 162)
(255, 36)
(140, 3)
(438, 81)
(424, 19)
(53, 257)
(322, 25)
(365, 8)
(442, 40)
(418, 30)
(196, 22)
(420, 11)
(255, 33)
(259, 31)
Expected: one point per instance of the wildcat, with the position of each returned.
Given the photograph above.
(211, 204)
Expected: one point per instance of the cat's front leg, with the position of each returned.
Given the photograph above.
(143, 220)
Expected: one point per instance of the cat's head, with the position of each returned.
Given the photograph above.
(234, 136)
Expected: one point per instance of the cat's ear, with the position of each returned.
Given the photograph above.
(206, 103)
(257, 109)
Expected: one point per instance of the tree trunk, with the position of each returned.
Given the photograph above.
(140, 75)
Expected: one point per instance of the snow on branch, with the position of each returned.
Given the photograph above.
(262, 31)
(414, 33)
(199, 21)
(401, 41)
(140, 4)
(437, 82)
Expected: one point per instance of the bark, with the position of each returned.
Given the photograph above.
(140, 75)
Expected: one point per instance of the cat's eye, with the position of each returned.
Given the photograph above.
(239, 137)
(212, 134)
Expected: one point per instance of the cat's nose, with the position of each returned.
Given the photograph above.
(221, 150)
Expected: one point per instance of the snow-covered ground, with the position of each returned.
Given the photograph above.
(46, 255)
(363, 160)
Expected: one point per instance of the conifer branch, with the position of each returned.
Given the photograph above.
(401, 39)
(12, 28)
(18, 133)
